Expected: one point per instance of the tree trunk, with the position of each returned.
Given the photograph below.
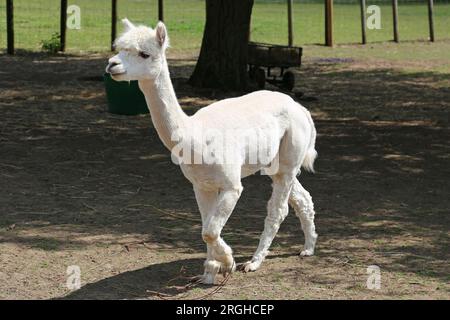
(223, 57)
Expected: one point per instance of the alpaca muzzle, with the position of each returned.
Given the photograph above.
(115, 68)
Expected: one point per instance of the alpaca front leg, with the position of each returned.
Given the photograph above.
(277, 211)
(207, 201)
(212, 268)
(216, 221)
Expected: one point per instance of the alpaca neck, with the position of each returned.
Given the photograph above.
(168, 118)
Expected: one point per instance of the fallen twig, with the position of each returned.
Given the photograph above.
(165, 212)
(89, 207)
(10, 166)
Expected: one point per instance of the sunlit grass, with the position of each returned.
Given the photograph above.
(39, 19)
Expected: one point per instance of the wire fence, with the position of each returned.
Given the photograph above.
(269, 21)
(36, 21)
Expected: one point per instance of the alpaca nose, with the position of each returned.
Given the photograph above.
(114, 60)
(111, 64)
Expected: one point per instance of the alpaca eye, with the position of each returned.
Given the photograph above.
(143, 55)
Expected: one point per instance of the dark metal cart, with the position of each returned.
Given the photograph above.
(269, 56)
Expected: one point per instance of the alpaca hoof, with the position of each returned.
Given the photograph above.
(227, 268)
(306, 253)
(207, 279)
(250, 266)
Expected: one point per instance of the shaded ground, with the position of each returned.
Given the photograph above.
(79, 186)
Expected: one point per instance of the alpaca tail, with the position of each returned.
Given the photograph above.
(311, 153)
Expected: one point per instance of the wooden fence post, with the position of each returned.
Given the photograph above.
(395, 16)
(363, 21)
(160, 10)
(329, 23)
(113, 22)
(290, 29)
(430, 19)
(10, 26)
(62, 25)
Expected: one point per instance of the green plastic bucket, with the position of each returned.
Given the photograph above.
(124, 97)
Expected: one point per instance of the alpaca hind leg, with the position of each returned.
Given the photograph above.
(301, 201)
(220, 251)
(277, 211)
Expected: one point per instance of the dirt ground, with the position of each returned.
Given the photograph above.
(80, 186)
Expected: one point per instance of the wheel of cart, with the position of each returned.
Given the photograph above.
(288, 80)
(258, 75)
(263, 58)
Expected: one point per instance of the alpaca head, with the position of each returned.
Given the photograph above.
(141, 53)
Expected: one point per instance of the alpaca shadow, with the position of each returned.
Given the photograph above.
(158, 281)
(162, 280)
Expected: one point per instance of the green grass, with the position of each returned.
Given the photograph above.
(269, 23)
(39, 19)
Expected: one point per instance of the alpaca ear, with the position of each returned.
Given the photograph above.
(161, 35)
(127, 24)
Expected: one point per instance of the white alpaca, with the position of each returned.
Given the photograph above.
(268, 123)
